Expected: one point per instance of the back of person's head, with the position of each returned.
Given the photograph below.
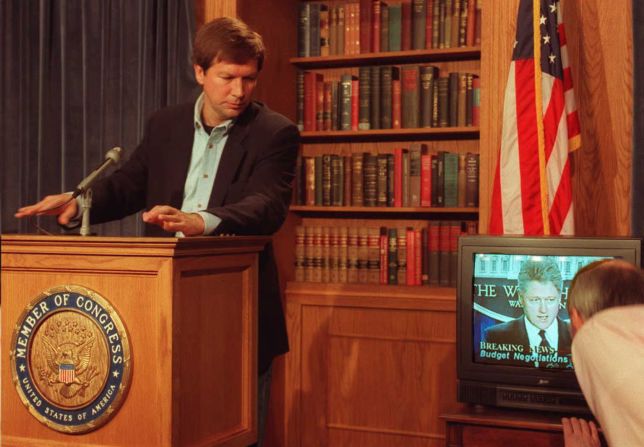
(603, 284)
(540, 270)
(227, 39)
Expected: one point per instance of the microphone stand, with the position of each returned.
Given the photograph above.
(86, 204)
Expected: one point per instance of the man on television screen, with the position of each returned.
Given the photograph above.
(538, 337)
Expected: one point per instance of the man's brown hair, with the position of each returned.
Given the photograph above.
(227, 39)
(603, 284)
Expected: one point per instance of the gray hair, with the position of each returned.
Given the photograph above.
(603, 284)
(540, 271)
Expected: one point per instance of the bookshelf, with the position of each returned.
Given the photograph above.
(353, 343)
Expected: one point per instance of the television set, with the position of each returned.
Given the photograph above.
(503, 357)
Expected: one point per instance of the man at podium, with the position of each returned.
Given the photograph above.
(220, 165)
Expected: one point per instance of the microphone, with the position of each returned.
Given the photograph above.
(113, 156)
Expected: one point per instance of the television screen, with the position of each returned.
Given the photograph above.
(519, 309)
(513, 329)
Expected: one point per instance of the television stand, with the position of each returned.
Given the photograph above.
(478, 426)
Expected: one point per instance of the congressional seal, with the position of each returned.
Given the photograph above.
(70, 359)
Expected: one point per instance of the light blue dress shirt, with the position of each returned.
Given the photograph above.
(204, 161)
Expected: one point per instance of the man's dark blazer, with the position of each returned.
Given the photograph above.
(251, 193)
(515, 332)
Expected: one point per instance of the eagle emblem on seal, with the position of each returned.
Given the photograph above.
(68, 356)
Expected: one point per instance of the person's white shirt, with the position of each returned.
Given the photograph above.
(608, 355)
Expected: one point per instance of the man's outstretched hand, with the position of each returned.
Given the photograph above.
(173, 220)
(62, 205)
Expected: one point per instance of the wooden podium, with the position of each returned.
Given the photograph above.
(189, 310)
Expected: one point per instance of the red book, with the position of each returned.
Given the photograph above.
(366, 19)
(429, 10)
(384, 256)
(418, 254)
(411, 257)
(405, 26)
(426, 180)
(396, 101)
(471, 23)
(310, 99)
(398, 176)
(375, 26)
(355, 103)
(319, 103)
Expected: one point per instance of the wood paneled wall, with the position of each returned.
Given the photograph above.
(600, 47)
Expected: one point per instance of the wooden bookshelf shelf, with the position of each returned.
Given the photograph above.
(434, 133)
(352, 210)
(391, 296)
(397, 57)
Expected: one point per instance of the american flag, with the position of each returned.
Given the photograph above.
(66, 373)
(532, 192)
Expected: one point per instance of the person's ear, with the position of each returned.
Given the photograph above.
(576, 321)
(200, 74)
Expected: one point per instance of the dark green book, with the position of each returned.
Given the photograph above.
(345, 102)
(450, 169)
(392, 256)
(443, 102)
(384, 27)
(386, 97)
(394, 26)
(453, 99)
(374, 98)
(326, 180)
(428, 73)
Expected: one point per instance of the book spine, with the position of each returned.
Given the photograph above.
(384, 27)
(452, 95)
(476, 101)
(390, 180)
(433, 241)
(326, 106)
(402, 256)
(373, 263)
(443, 102)
(319, 102)
(472, 180)
(410, 84)
(451, 177)
(309, 169)
(364, 112)
(398, 177)
(384, 256)
(429, 23)
(461, 113)
(426, 180)
(405, 29)
(352, 255)
(462, 179)
(396, 99)
(392, 256)
(357, 179)
(386, 97)
(324, 30)
(374, 99)
(454, 234)
(326, 180)
(355, 102)
(375, 26)
(411, 257)
(304, 30)
(346, 165)
(299, 94)
(443, 254)
(381, 180)
(299, 253)
(427, 76)
(314, 27)
(415, 153)
(370, 167)
(419, 20)
(366, 20)
(345, 100)
(395, 26)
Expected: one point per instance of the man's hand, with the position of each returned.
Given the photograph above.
(580, 433)
(173, 220)
(62, 205)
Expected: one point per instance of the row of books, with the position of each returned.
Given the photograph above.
(387, 97)
(425, 254)
(407, 177)
(372, 26)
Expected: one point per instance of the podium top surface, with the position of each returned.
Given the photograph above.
(132, 246)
